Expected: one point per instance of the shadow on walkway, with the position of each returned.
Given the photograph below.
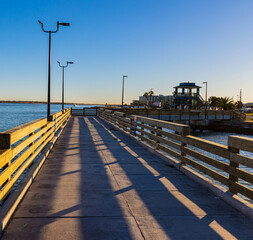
(99, 184)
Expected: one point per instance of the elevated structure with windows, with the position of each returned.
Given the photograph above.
(186, 94)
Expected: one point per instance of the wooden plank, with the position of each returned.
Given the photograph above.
(182, 129)
(120, 114)
(9, 137)
(212, 147)
(242, 189)
(239, 173)
(5, 157)
(143, 126)
(127, 120)
(169, 134)
(168, 142)
(108, 111)
(16, 164)
(246, 161)
(52, 117)
(28, 141)
(233, 165)
(169, 151)
(149, 141)
(150, 135)
(6, 189)
(211, 173)
(211, 161)
(242, 143)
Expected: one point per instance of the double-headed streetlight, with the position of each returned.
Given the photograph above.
(49, 60)
(123, 91)
(63, 80)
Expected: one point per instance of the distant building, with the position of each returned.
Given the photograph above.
(156, 98)
(186, 94)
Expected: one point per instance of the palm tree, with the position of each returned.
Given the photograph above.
(146, 94)
(150, 93)
(213, 101)
(226, 103)
(238, 104)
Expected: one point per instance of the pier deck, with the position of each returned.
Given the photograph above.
(99, 184)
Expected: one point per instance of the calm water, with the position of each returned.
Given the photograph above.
(13, 115)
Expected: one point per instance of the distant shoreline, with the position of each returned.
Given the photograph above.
(41, 102)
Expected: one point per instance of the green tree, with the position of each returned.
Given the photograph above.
(213, 101)
(146, 96)
(226, 103)
(238, 104)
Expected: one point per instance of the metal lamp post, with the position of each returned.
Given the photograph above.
(49, 61)
(206, 99)
(63, 80)
(123, 91)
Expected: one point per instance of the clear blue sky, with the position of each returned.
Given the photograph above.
(157, 43)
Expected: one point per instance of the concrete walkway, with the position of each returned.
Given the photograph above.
(99, 184)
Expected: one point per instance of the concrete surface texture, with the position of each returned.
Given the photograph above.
(99, 184)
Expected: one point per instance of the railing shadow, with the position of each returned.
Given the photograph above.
(161, 197)
(105, 215)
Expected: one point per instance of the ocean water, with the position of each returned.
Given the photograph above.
(16, 114)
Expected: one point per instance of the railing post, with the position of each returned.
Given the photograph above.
(158, 135)
(5, 145)
(185, 132)
(233, 165)
(142, 129)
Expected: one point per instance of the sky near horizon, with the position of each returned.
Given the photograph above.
(157, 43)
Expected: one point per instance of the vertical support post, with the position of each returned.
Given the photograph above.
(233, 165)
(185, 132)
(158, 135)
(142, 129)
(5, 144)
(30, 145)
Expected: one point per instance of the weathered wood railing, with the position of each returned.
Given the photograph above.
(221, 163)
(186, 114)
(91, 111)
(20, 146)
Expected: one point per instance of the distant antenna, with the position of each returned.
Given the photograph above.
(240, 95)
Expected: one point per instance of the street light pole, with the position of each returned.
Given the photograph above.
(123, 92)
(206, 99)
(49, 61)
(63, 80)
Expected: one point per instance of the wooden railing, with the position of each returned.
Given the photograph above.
(224, 164)
(92, 111)
(20, 146)
(189, 114)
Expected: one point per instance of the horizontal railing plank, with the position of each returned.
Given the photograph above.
(212, 147)
(9, 137)
(180, 128)
(242, 143)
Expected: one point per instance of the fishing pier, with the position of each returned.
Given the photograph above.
(107, 174)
